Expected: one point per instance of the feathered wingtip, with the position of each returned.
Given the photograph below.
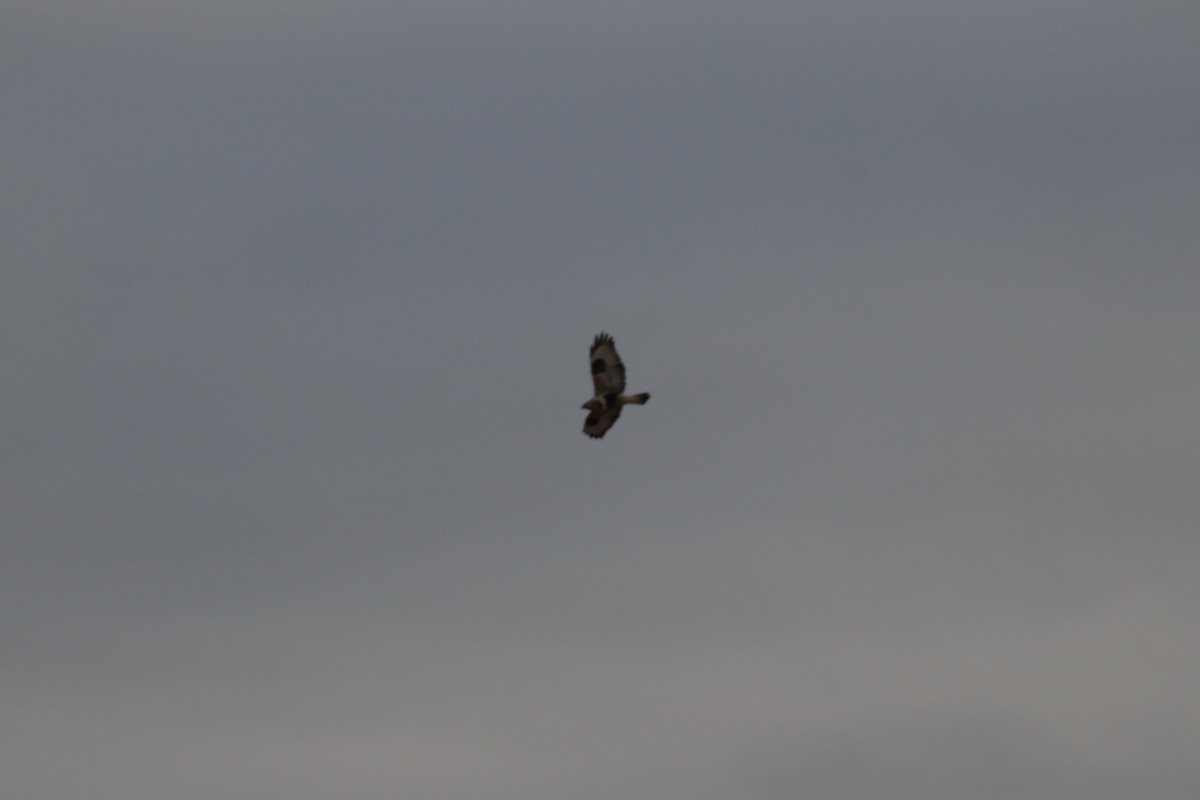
(602, 338)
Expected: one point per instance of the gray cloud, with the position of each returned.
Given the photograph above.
(295, 501)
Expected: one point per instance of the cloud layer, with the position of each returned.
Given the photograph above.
(295, 502)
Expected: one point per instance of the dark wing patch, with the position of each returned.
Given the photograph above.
(598, 422)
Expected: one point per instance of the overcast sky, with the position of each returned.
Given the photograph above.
(295, 301)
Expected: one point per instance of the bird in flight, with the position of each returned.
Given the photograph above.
(608, 382)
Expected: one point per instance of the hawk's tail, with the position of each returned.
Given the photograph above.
(639, 399)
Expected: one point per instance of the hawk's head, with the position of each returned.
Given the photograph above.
(595, 404)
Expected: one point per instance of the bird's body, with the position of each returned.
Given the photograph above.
(608, 383)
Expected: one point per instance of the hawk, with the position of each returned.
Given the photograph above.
(608, 381)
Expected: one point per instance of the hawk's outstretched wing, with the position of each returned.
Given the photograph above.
(608, 373)
(598, 422)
